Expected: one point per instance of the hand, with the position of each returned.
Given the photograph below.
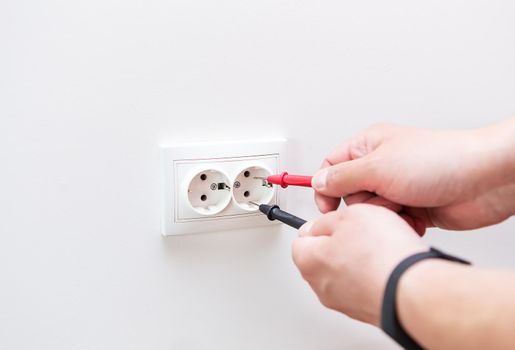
(449, 179)
(346, 256)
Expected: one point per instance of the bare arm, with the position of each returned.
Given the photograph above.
(445, 305)
(450, 179)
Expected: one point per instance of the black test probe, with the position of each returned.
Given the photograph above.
(273, 212)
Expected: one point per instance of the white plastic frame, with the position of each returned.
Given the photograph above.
(230, 157)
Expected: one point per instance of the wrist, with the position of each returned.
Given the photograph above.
(392, 306)
(422, 297)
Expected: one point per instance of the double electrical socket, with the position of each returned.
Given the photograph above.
(209, 186)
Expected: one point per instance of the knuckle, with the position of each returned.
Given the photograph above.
(327, 302)
(352, 209)
(302, 257)
(322, 219)
(310, 261)
(329, 220)
(325, 162)
(359, 147)
(365, 210)
(325, 296)
(357, 210)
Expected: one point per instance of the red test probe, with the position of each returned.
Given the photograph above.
(284, 180)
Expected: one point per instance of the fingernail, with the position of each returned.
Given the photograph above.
(305, 229)
(319, 180)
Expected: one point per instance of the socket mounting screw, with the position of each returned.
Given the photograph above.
(213, 186)
(237, 184)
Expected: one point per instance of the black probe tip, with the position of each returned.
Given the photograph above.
(268, 210)
(273, 212)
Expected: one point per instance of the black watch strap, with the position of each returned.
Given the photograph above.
(389, 320)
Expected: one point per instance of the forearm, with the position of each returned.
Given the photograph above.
(491, 166)
(446, 305)
(499, 141)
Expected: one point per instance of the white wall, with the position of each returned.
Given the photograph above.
(90, 88)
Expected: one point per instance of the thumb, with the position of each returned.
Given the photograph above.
(345, 178)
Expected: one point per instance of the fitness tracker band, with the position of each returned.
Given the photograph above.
(389, 320)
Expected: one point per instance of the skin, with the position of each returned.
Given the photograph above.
(397, 182)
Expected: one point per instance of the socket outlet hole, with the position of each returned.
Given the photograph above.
(203, 177)
(203, 197)
(251, 189)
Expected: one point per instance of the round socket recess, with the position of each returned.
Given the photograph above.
(209, 192)
(247, 187)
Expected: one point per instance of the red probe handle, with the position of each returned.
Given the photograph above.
(285, 180)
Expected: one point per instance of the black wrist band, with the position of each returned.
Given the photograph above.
(389, 320)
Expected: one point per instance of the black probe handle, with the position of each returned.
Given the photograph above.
(275, 213)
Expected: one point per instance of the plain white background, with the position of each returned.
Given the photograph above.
(90, 88)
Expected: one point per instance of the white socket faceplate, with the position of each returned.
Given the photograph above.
(183, 164)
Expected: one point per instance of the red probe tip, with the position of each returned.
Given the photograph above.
(278, 179)
(284, 180)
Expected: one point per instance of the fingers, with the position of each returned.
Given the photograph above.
(360, 145)
(420, 214)
(345, 178)
(360, 197)
(413, 216)
(326, 204)
(415, 223)
(371, 198)
(417, 218)
(351, 149)
(357, 147)
(327, 224)
(323, 226)
(306, 252)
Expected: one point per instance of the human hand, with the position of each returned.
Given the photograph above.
(346, 256)
(450, 179)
